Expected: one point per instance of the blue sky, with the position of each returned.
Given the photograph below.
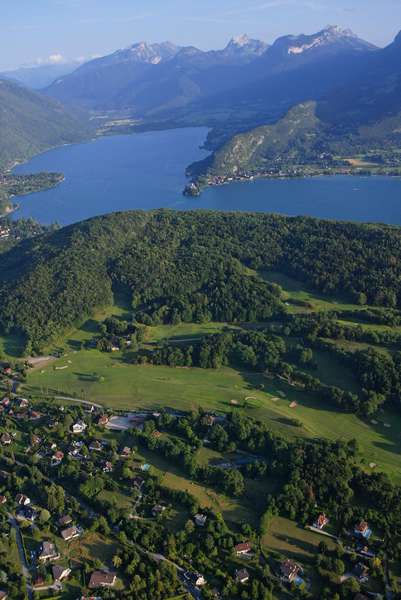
(32, 30)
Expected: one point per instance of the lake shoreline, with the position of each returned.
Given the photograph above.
(147, 171)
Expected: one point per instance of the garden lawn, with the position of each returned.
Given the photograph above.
(293, 541)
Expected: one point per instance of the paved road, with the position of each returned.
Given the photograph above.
(24, 565)
(79, 401)
(194, 591)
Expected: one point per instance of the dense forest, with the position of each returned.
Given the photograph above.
(190, 266)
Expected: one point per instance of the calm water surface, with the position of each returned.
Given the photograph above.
(146, 170)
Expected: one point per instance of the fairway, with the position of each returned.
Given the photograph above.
(107, 379)
(295, 291)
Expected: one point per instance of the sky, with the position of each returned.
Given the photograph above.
(41, 31)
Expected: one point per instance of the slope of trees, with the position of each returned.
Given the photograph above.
(183, 266)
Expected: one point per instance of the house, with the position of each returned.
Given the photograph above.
(5, 402)
(158, 509)
(209, 420)
(365, 551)
(243, 548)
(321, 521)
(95, 446)
(156, 434)
(57, 458)
(107, 467)
(3, 595)
(35, 415)
(101, 579)
(48, 551)
(200, 520)
(79, 427)
(60, 573)
(70, 533)
(241, 576)
(23, 403)
(22, 500)
(125, 452)
(196, 579)
(289, 570)
(6, 439)
(103, 420)
(3, 499)
(361, 572)
(26, 513)
(64, 521)
(362, 530)
(38, 581)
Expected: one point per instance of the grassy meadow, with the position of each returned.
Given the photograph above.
(111, 380)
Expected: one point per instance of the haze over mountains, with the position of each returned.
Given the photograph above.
(150, 80)
(358, 116)
(38, 77)
(245, 85)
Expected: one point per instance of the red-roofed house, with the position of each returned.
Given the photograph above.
(243, 548)
(101, 579)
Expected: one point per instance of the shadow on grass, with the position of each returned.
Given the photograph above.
(299, 550)
(14, 345)
(88, 377)
(90, 326)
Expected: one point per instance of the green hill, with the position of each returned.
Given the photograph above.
(301, 144)
(189, 267)
(31, 123)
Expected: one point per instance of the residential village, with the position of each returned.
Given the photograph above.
(78, 495)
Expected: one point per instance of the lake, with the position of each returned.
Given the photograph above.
(147, 170)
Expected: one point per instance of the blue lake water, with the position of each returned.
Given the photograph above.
(147, 170)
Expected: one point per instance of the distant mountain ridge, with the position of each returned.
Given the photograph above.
(353, 127)
(169, 75)
(40, 76)
(154, 80)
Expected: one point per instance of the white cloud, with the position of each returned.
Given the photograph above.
(56, 59)
(53, 59)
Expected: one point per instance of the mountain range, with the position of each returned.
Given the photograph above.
(38, 77)
(244, 86)
(359, 118)
(153, 77)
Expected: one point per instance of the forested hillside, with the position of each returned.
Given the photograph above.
(31, 123)
(301, 143)
(351, 127)
(190, 266)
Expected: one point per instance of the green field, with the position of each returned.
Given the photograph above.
(295, 291)
(294, 541)
(107, 379)
(111, 380)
